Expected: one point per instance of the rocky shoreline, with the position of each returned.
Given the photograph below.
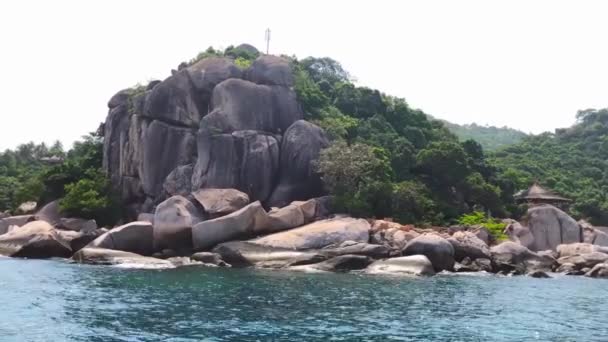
(220, 228)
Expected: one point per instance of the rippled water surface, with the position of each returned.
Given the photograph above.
(57, 301)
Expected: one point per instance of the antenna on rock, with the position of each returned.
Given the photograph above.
(267, 38)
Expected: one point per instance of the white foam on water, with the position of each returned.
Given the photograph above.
(144, 266)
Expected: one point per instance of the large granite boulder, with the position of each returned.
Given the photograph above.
(318, 234)
(579, 248)
(301, 145)
(240, 105)
(238, 225)
(18, 221)
(357, 248)
(595, 236)
(598, 271)
(136, 237)
(220, 202)
(77, 240)
(270, 70)
(512, 257)
(467, 244)
(439, 251)
(173, 222)
(179, 181)
(50, 213)
(418, 265)
(519, 234)
(245, 160)
(37, 239)
(26, 208)
(582, 261)
(77, 225)
(244, 253)
(209, 72)
(551, 227)
(342, 263)
(164, 147)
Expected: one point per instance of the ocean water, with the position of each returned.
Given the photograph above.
(52, 300)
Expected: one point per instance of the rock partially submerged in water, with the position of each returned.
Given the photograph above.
(511, 257)
(437, 249)
(36, 239)
(598, 271)
(136, 237)
(244, 253)
(342, 263)
(418, 265)
(102, 256)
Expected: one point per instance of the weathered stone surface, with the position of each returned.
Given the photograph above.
(219, 202)
(243, 253)
(3, 227)
(318, 234)
(418, 265)
(173, 222)
(293, 215)
(595, 236)
(209, 258)
(513, 256)
(437, 249)
(582, 261)
(26, 208)
(179, 181)
(484, 235)
(36, 239)
(165, 147)
(243, 160)
(50, 213)
(477, 265)
(342, 263)
(135, 237)
(239, 105)
(238, 225)
(598, 271)
(209, 72)
(579, 248)
(300, 147)
(538, 274)
(467, 244)
(551, 227)
(101, 256)
(80, 239)
(147, 217)
(18, 221)
(519, 234)
(357, 248)
(77, 224)
(271, 70)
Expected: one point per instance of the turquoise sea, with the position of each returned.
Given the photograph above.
(52, 300)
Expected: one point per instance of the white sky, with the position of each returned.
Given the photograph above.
(526, 64)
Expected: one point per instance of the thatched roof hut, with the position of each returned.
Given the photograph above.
(538, 194)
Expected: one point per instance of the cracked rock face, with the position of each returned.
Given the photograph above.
(213, 125)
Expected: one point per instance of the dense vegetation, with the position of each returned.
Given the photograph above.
(388, 159)
(490, 137)
(571, 161)
(38, 173)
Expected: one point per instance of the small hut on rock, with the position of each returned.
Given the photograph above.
(536, 195)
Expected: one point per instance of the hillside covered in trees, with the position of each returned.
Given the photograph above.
(490, 137)
(386, 159)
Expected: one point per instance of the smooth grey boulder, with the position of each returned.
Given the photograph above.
(179, 181)
(467, 244)
(342, 263)
(300, 148)
(439, 251)
(18, 221)
(595, 236)
(165, 147)
(418, 265)
(551, 227)
(174, 101)
(357, 248)
(101, 256)
(209, 72)
(77, 224)
(220, 202)
(36, 239)
(477, 265)
(50, 213)
(582, 261)
(293, 215)
(173, 222)
(598, 271)
(271, 70)
(244, 253)
(240, 105)
(3, 227)
(245, 160)
(318, 234)
(135, 237)
(238, 225)
(80, 239)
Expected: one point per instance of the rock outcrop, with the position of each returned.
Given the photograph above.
(135, 237)
(220, 202)
(37, 239)
(173, 222)
(418, 265)
(212, 125)
(437, 249)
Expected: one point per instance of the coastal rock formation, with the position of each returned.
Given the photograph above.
(102, 256)
(244, 253)
(418, 265)
(212, 125)
(220, 202)
(135, 237)
(173, 222)
(37, 239)
(468, 245)
(513, 257)
(342, 263)
(437, 249)
(547, 227)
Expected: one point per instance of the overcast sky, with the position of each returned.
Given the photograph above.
(525, 64)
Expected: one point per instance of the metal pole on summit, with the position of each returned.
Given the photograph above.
(267, 37)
